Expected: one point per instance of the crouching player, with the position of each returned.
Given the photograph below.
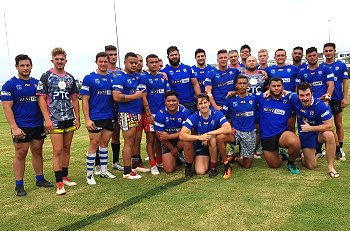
(168, 123)
(208, 124)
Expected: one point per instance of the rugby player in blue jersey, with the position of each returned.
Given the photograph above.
(23, 114)
(274, 112)
(297, 57)
(208, 125)
(245, 52)
(128, 89)
(241, 110)
(233, 58)
(153, 102)
(263, 57)
(315, 124)
(98, 109)
(201, 69)
(340, 93)
(219, 82)
(59, 104)
(168, 123)
(181, 79)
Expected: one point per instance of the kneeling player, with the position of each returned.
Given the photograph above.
(208, 124)
(168, 123)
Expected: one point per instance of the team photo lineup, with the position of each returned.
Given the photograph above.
(198, 117)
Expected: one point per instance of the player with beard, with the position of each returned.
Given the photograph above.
(263, 57)
(315, 124)
(181, 80)
(221, 81)
(23, 114)
(208, 125)
(59, 103)
(274, 112)
(201, 69)
(245, 53)
(233, 57)
(297, 56)
(340, 93)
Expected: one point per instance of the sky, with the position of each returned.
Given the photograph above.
(84, 27)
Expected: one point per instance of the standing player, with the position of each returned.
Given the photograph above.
(340, 93)
(153, 102)
(245, 53)
(98, 109)
(233, 57)
(219, 82)
(181, 79)
(241, 110)
(59, 103)
(297, 57)
(263, 57)
(202, 69)
(315, 124)
(208, 125)
(168, 123)
(127, 91)
(274, 112)
(23, 114)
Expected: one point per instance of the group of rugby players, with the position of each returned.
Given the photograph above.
(189, 114)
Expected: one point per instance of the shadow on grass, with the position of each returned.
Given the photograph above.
(115, 209)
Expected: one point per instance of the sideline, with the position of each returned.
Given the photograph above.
(117, 208)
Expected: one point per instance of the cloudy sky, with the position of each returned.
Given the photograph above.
(84, 27)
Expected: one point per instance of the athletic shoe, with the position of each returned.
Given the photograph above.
(43, 183)
(188, 173)
(147, 158)
(259, 150)
(132, 176)
(320, 154)
(232, 150)
(97, 170)
(117, 166)
(341, 155)
(256, 156)
(60, 188)
(181, 157)
(293, 169)
(67, 181)
(160, 165)
(342, 152)
(154, 170)
(141, 169)
(20, 192)
(90, 180)
(213, 172)
(284, 154)
(227, 173)
(107, 175)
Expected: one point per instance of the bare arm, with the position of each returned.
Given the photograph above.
(196, 86)
(211, 98)
(120, 97)
(89, 124)
(145, 105)
(185, 134)
(224, 129)
(16, 131)
(75, 101)
(45, 112)
(344, 101)
(325, 126)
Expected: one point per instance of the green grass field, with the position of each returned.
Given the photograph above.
(255, 199)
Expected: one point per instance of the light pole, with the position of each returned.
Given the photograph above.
(116, 32)
(329, 30)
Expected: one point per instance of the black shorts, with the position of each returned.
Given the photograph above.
(335, 106)
(61, 127)
(165, 149)
(108, 124)
(271, 144)
(34, 133)
(201, 150)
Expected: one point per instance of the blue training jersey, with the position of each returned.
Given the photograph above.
(166, 122)
(201, 74)
(318, 79)
(99, 89)
(241, 111)
(25, 106)
(180, 81)
(273, 115)
(200, 125)
(156, 87)
(221, 82)
(287, 73)
(128, 85)
(340, 72)
(313, 115)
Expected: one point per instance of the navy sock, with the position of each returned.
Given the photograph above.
(58, 175)
(64, 172)
(116, 152)
(127, 169)
(39, 177)
(188, 165)
(19, 183)
(97, 160)
(341, 144)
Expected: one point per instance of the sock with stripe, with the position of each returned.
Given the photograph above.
(103, 153)
(90, 161)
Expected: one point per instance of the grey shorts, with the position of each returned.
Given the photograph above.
(247, 141)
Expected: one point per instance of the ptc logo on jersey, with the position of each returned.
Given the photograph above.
(289, 69)
(19, 87)
(337, 68)
(97, 81)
